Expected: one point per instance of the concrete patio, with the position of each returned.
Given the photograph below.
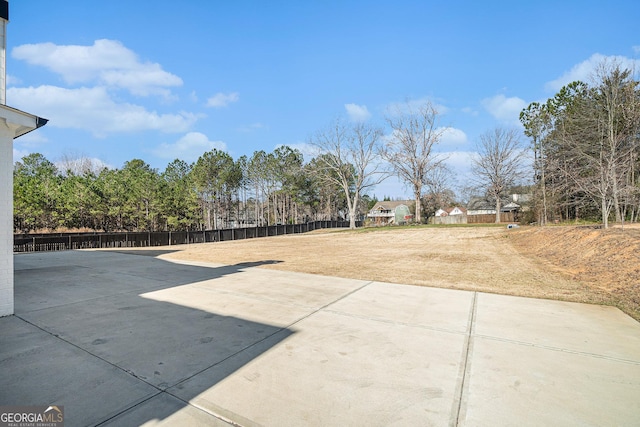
(124, 338)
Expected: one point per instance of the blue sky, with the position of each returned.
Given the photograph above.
(160, 80)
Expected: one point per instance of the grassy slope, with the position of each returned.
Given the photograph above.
(606, 261)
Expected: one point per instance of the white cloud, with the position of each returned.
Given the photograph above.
(189, 147)
(220, 99)
(459, 162)
(93, 109)
(12, 80)
(146, 80)
(106, 62)
(584, 70)
(452, 137)
(357, 113)
(636, 49)
(503, 108)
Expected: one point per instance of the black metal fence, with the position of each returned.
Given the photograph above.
(66, 241)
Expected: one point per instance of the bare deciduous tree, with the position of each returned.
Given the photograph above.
(439, 195)
(79, 164)
(617, 107)
(409, 150)
(348, 158)
(498, 163)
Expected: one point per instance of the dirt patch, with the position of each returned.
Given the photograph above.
(564, 263)
(606, 261)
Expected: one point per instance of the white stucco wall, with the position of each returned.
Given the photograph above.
(13, 123)
(6, 220)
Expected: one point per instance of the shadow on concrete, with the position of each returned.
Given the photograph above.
(146, 252)
(85, 337)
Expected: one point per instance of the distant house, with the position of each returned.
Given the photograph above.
(481, 206)
(391, 212)
(481, 210)
(457, 211)
(451, 211)
(454, 215)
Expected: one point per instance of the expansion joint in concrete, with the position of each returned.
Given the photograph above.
(559, 349)
(160, 390)
(457, 413)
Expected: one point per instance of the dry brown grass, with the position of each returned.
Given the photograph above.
(605, 261)
(565, 263)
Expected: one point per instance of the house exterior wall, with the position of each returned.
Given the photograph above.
(381, 220)
(6, 221)
(401, 214)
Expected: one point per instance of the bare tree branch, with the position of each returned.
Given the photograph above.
(349, 158)
(498, 164)
(409, 150)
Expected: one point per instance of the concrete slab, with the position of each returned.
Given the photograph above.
(339, 370)
(441, 309)
(159, 342)
(299, 289)
(37, 368)
(551, 363)
(247, 307)
(128, 339)
(587, 328)
(76, 276)
(510, 383)
(165, 410)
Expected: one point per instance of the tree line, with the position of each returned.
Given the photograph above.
(586, 147)
(585, 150)
(218, 191)
(214, 192)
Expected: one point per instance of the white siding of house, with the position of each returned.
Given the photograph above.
(481, 212)
(456, 211)
(6, 221)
